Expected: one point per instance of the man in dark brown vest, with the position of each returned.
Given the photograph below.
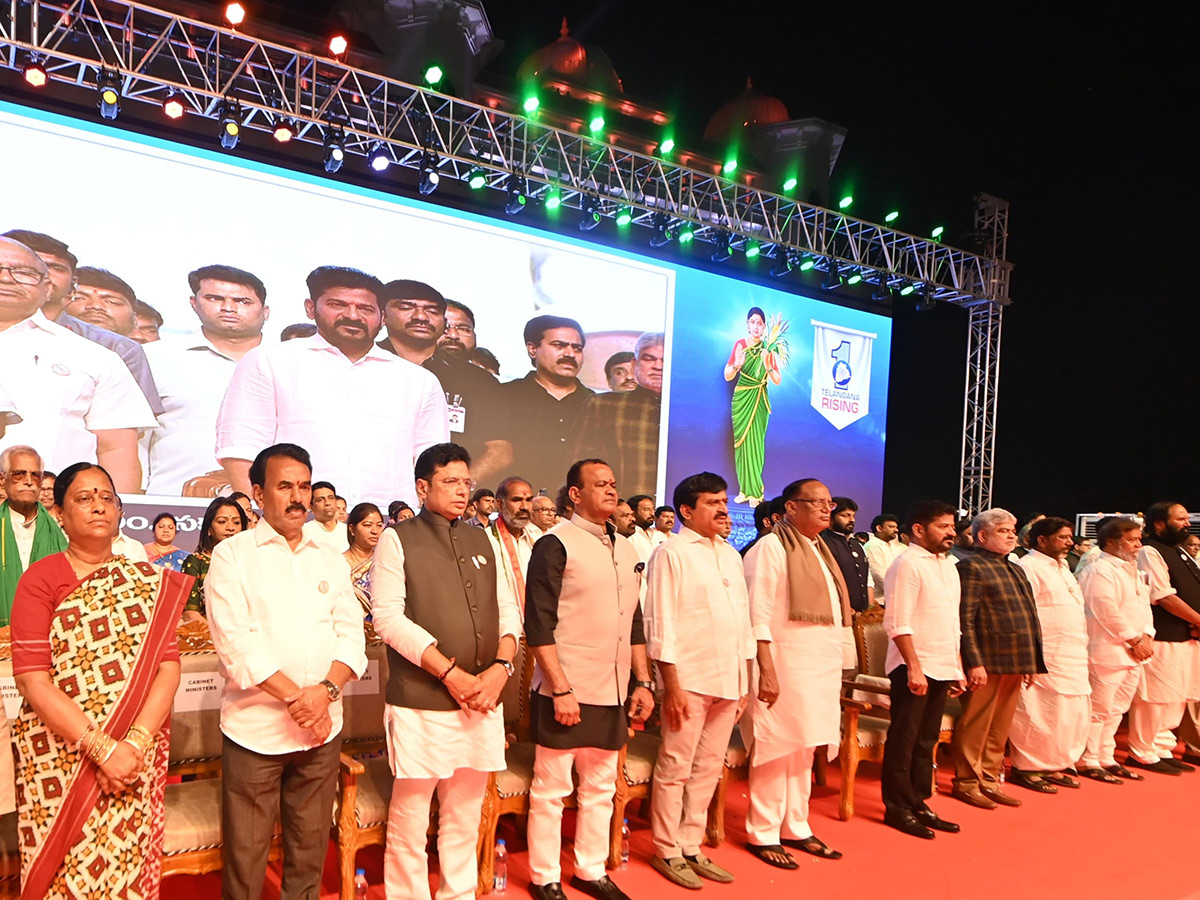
(451, 628)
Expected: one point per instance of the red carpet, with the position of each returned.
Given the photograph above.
(1137, 840)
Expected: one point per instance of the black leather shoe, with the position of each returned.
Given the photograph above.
(1176, 764)
(909, 824)
(1161, 767)
(601, 889)
(551, 891)
(930, 819)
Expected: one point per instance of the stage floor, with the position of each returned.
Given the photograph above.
(1101, 842)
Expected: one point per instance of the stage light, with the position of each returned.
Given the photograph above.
(597, 124)
(937, 232)
(784, 261)
(433, 75)
(687, 233)
(429, 174)
(807, 264)
(516, 195)
(925, 301)
(907, 288)
(553, 198)
(590, 217)
(845, 202)
(34, 74)
(881, 291)
(730, 166)
(379, 158)
(667, 145)
(235, 14)
(854, 279)
(284, 131)
(531, 104)
(790, 184)
(832, 279)
(721, 249)
(663, 232)
(338, 45)
(476, 178)
(172, 107)
(624, 216)
(892, 216)
(752, 249)
(231, 125)
(108, 88)
(334, 151)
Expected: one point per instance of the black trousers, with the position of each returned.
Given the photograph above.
(907, 778)
(297, 789)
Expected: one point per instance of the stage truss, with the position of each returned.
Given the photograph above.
(212, 70)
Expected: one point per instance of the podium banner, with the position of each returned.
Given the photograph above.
(841, 381)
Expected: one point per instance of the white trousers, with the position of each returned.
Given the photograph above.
(1049, 730)
(405, 862)
(686, 773)
(1150, 729)
(551, 786)
(779, 792)
(1112, 692)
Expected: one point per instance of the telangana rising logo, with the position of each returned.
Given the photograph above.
(840, 389)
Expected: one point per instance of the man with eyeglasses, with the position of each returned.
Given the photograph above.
(27, 531)
(77, 400)
(546, 406)
(438, 334)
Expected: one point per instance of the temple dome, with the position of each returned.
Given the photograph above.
(749, 108)
(571, 61)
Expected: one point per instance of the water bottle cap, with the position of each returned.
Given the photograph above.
(501, 842)
(626, 821)
(362, 872)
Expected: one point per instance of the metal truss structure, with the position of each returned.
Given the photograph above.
(218, 72)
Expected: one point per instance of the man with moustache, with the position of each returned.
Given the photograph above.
(103, 299)
(325, 529)
(800, 613)
(849, 553)
(76, 399)
(698, 634)
(193, 373)
(61, 265)
(882, 550)
(543, 409)
(27, 531)
(643, 521)
(513, 534)
(1172, 676)
(324, 393)
(618, 372)
(623, 520)
(288, 634)
(484, 503)
(623, 426)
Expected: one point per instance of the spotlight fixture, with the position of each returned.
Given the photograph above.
(667, 145)
(624, 216)
(284, 131)
(721, 249)
(379, 158)
(173, 107)
(433, 75)
(855, 278)
(108, 90)
(845, 202)
(531, 104)
(34, 73)
(553, 198)
(338, 45)
(730, 167)
(334, 150)
(882, 291)
(925, 301)
(784, 261)
(892, 216)
(663, 232)
(596, 124)
(807, 264)
(231, 124)
(752, 249)
(937, 232)
(832, 278)
(235, 14)
(476, 178)
(429, 174)
(790, 184)
(687, 233)
(516, 195)
(907, 288)
(590, 217)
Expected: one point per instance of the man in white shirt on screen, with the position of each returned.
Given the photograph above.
(364, 414)
(192, 373)
(77, 400)
(882, 550)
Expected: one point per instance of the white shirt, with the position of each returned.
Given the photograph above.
(192, 376)
(923, 593)
(134, 551)
(65, 387)
(697, 614)
(642, 543)
(337, 540)
(364, 423)
(880, 556)
(1117, 603)
(23, 534)
(1060, 609)
(273, 609)
(523, 545)
(1150, 561)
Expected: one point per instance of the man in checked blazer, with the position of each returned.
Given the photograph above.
(1001, 651)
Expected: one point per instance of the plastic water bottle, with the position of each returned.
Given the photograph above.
(360, 884)
(500, 868)
(624, 843)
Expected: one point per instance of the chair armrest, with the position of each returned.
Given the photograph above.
(350, 766)
(857, 705)
(867, 688)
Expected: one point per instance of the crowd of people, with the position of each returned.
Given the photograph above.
(627, 607)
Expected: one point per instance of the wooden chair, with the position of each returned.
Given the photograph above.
(635, 771)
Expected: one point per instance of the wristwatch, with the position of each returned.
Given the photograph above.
(332, 689)
(508, 667)
(648, 685)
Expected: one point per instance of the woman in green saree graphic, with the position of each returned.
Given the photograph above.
(754, 361)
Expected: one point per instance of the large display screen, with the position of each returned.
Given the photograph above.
(590, 351)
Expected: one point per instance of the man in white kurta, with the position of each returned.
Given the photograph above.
(804, 643)
(697, 621)
(1120, 640)
(1050, 727)
(512, 535)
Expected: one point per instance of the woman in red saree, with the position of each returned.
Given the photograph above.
(95, 658)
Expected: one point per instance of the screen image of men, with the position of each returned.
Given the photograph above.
(363, 414)
(583, 624)
(27, 531)
(76, 399)
(103, 299)
(698, 633)
(622, 426)
(800, 612)
(451, 626)
(193, 373)
(544, 407)
(618, 372)
(288, 634)
(849, 553)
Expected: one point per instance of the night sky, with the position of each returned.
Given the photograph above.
(1077, 118)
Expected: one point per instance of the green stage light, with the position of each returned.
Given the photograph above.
(433, 75)
(752, 249)
(937, 232)
(730, 166)
(553, 199)
(790, 184)
(625, 216)
(476, 178)
(531, 104)
(845, 202)
(597, 124)
(807, 264)
(667, 145)
(687, 233)
(907, 289)
(854, 279)
(892, 216)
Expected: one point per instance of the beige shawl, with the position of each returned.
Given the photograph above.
(808, 592)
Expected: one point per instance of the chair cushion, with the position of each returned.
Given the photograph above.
(374, 792)
(641, 756)
(735, 755)
(953, 711)
(196, 734)
(192, 818)
(882, 700)
(872, 732)
(516, 779)
(362, 704)
(875, 640)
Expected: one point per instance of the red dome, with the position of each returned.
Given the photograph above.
(751, 108)
(574, 62)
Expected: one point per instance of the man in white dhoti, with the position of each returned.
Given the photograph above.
(1050, 727)
(1172, 677)
(800, 613)
(1120, 640)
